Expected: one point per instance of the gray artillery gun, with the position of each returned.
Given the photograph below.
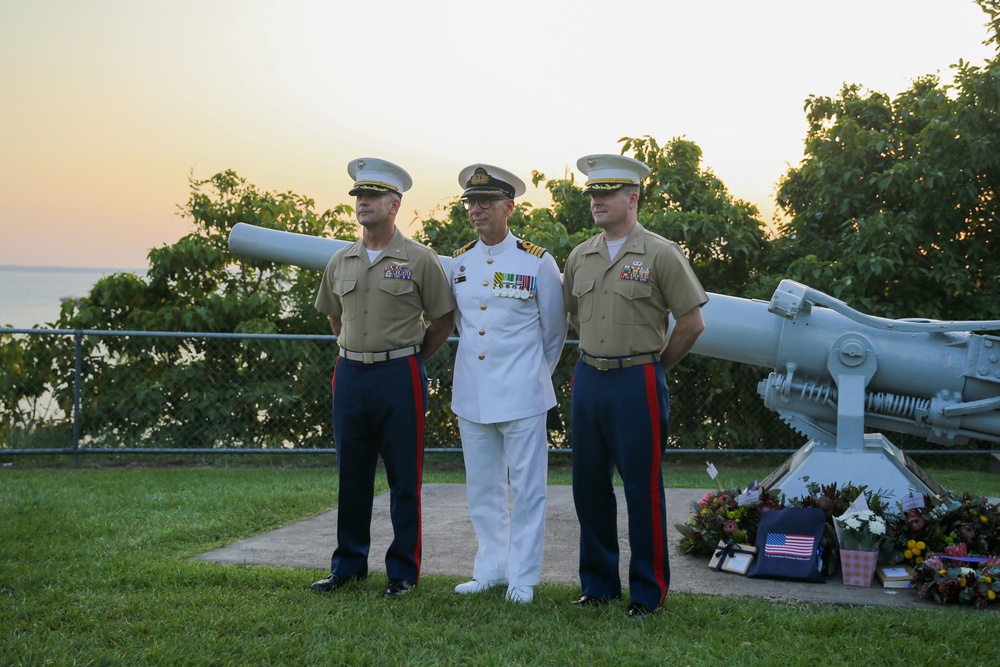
(837, 372)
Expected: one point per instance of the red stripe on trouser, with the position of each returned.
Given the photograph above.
(654, 478)
(418, 404)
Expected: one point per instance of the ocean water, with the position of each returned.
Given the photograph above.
(31, 296)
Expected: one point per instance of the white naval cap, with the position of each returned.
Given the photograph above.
(485, 180)
(607, 173)
(374, 175)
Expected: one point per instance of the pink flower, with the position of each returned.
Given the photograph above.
(730, 527)
(706, 499)
(959, 550)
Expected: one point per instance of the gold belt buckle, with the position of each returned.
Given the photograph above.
(602, 364)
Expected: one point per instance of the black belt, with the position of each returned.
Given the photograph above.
(375, 357)
(614, 363)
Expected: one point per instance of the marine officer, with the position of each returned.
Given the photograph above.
(511, 326)
(620, 287)
(376, 293)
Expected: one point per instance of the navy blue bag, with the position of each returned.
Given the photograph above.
(788, 545)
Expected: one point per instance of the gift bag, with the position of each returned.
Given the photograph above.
(788, 545)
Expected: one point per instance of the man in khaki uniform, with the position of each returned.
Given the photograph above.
(619, 288)
(376, 293)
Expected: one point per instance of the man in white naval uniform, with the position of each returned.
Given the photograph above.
(511, 328)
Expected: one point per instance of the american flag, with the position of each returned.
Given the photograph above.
(780, 544)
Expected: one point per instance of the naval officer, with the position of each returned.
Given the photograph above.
(376, 293)
(620, 287)
(511, 325)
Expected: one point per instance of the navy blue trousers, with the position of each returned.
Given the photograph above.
(620, 421)
(378, 410)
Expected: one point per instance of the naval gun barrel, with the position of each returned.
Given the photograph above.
(935, 379)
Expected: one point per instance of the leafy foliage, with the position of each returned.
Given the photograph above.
(196, 392)
(894, 207)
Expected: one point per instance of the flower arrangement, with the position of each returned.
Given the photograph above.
(926, 538)
(835, 500)
(718, 516)
(861, 531)
(939, 579)
(965, 522)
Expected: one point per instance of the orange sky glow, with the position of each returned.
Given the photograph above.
(110, 105)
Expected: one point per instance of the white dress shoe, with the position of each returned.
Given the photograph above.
(522, 594)
(477, 586)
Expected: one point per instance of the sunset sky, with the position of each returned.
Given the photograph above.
(109, 106)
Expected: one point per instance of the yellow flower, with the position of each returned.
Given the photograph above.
(991, 595)
(919, 560)
(984, 519)
(910, 545)
(942, 572)
(961, 582)
(907, 554)
(988, 580)
(921, 546)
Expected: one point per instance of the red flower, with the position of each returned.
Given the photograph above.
(764, 508)
(915, 522)
(730, 527)
(706, 499)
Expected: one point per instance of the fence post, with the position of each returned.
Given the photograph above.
(77, 381)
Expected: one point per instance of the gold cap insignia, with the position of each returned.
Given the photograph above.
(480, 177)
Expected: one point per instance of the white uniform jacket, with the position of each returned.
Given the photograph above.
(511, 327)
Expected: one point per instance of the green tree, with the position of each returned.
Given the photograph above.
(205, 392)
(894, 208)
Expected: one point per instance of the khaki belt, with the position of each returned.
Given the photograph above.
(376, 357)
(614, 363)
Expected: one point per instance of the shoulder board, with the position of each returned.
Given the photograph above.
(531, 248)
(467, 247)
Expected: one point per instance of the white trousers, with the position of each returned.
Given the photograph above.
(510, 538)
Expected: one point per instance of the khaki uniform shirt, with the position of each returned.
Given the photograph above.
(381, 305)
(623, 304)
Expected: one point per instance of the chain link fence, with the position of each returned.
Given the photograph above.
(72, 392)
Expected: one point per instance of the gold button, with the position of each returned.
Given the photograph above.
(482, 356)
(482, 307)
(489, 260)
(485, 283)
(482, 332)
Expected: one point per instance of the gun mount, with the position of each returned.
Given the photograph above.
(836, 372)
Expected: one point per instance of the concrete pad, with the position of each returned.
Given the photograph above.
(450, 545)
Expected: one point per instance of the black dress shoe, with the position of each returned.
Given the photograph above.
(595, 600)
(335, 581)
(398, 587)
(639, 610)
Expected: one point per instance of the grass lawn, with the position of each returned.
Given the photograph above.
(94, 570)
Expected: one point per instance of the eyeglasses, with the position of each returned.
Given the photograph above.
(484, 203)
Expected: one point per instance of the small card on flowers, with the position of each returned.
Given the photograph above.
(731, 557)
